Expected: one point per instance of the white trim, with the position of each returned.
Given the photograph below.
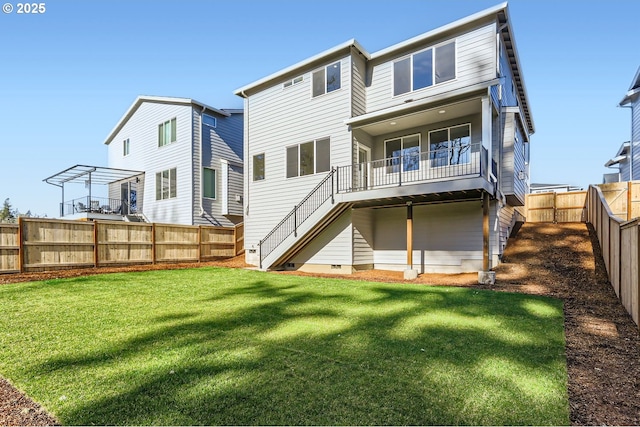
(224, 183)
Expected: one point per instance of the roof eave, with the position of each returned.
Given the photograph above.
(242, 92)
(160, 100)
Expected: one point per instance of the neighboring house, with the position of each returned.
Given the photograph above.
(632, 100)
(554, 188)
(191, 156)
(412, 158)
(621, 161)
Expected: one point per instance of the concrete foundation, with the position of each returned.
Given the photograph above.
(410, 274)
(487, 277)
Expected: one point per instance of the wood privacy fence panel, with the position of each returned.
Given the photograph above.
(9, 248)
(623, 198)
(619, 241)
(46, 244)
(556, 207)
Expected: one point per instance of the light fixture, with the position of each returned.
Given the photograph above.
(392, 123)
(442, 111)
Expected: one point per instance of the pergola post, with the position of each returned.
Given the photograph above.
(486, 276)
(410, 273)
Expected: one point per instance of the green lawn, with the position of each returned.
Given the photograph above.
(218, 346)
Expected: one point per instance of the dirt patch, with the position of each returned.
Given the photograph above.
(558, 260)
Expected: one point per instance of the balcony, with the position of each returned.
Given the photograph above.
(425, 175)
(97, 205)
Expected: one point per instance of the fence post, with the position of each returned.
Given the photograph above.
(20, 246)
(153, 243)
(199, 243)
(95, 244)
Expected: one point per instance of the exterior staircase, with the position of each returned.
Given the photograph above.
(308, 219)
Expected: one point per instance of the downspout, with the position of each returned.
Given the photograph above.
(245, 152)
(201, 212)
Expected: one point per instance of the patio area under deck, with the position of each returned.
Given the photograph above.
(92, 207)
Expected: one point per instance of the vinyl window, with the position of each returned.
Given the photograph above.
(425, 68)
(167, 132)
(258, 167)
(126, 147)
(209, 183)
(166, 184)
(308, 158)
(326, 79)
(450, 146)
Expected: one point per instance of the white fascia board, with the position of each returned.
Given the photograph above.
(629, 97)
(374, 116)
(436, 32)
(302, 64)
(159, 100)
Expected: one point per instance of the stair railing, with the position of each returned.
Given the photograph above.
(289, 225)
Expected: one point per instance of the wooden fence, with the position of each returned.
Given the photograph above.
(619, 240)
(48, 244)
(623, 199)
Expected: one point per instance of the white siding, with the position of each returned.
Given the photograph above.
(363, 236)
(280, 117)
(475, 63)
(145, 155)
(447, 238)
(331, 247)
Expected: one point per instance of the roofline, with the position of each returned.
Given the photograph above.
(158, 100)
(303, 64)
(628, 98)
(437, 31)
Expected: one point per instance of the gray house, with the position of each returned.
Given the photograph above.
(631, 170)
(412, 158)
(190, 156)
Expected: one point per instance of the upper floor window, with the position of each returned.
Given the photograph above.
(126, 146)
(258, 167)
(450, 146)
(425, 68)
(208, 183)
(167, 132)
(308, 158)
(326, 79)
(292, 82)
(166, 184)
(209, 120)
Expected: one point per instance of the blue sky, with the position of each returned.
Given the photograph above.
(69, 74)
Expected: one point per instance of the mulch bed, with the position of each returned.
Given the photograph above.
(557, 260)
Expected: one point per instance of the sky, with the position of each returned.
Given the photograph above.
(68, 74)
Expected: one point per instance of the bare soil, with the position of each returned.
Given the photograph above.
(557, 260)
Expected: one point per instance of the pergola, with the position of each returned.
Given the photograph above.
(89, 176)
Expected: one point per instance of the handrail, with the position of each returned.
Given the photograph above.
(289, 224)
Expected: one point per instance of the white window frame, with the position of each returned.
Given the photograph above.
(315, 158)
(160, 190)
(215, 183)
(433, 67)
(326, 69)
(402, 138)
(215, 120)
(264, 167)
(173, 134)
(448, 129)
(293, 82)
(126, 147)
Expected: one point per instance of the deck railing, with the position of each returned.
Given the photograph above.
(289, 225)
(466, 160)
(101, 205)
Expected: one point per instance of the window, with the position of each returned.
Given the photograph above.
(209, 183)
(167, 132)
(406, 150)
(450, 146)
(426, 68)
(258, 167)
(166, 184)
(292, 82)
(308, 158)
(209, 120)
(126, 147)
(326, 80)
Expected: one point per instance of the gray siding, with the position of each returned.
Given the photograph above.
(331, 247)
(475, 63)
(447, 238)
(280, 117)
(513, 161)
(635, 140)
(363, 236)
(223, 142)
(145, 155)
